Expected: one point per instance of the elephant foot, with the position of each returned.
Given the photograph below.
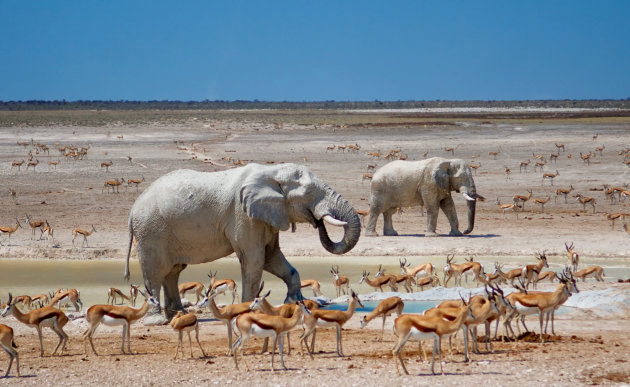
(155, 319)
(391, 232)
(431, 234)
(370, 233)
(455, 233)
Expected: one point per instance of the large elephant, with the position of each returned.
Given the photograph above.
(425, 183)
(188, 217)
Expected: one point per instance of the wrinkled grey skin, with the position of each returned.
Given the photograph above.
(189, 217)
(425, 183)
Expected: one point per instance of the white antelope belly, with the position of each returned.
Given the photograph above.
(188, 328)
(419, 335)
(112, 321)
(260, 332)
(221, 289)
(526, 310)
(49, 322)
(324, 323)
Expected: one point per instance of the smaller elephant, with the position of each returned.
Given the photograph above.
(426, 183)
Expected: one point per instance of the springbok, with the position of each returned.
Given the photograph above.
(220, 286)
(340, 281)
(573, 257)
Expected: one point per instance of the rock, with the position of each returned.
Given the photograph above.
(155, 319)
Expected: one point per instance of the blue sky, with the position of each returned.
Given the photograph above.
(313, 51)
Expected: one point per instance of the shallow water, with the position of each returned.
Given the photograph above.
(368, 306)
(93, 277)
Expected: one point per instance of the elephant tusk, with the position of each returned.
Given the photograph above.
(468, 197)
(332, 221)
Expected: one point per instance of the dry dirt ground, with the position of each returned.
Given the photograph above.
(591, 349)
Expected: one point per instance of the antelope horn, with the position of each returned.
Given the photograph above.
(262, 285)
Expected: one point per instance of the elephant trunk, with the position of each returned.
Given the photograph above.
(471, 204)
(338, 208)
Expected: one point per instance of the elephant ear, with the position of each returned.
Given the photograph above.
(441, 175)
(262, 198)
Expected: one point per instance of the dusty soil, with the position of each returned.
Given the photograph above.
(590, 349)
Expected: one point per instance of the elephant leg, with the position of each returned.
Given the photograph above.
(276, 264)
(370, 227)
(172, 301)
(432, 215)
(251, 273)
(152, 257)
(448, 208)
(388, 227)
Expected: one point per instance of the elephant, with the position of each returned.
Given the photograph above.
(190, 217)
(426, 183)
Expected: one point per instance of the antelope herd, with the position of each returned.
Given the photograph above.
(259, 318)
(616, 194)
(71, 153)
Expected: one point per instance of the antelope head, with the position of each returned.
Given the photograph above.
(302, 306)
(364, 276)
(206, 298)
(335, 272)
(543, 257)
(521, 285)
(148, 295)
(256, 304)
(356, 297)
(8, 306)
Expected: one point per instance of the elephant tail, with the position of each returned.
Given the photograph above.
(129, 249)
